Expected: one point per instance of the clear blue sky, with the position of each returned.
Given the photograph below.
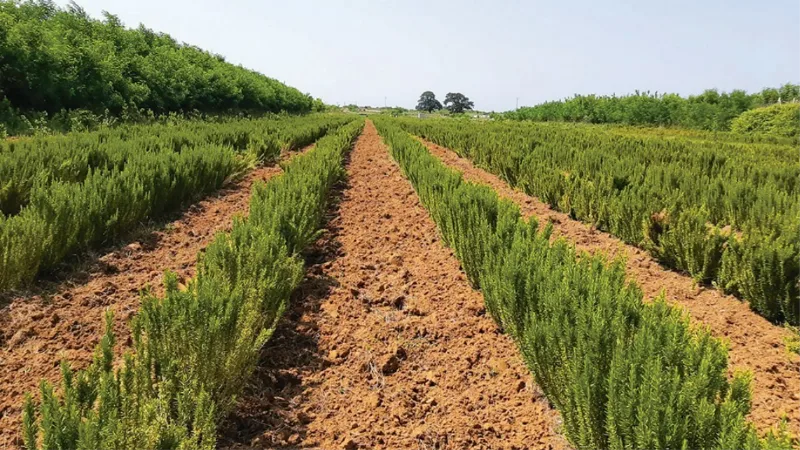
(361, 51)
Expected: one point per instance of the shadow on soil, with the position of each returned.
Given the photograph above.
(271, 412)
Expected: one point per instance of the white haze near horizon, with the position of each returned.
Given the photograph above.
(495, 52)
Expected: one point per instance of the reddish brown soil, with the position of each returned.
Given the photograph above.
(387, 346)
(756, 345)
(64, 320)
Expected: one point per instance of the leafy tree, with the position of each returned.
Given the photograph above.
(457, 103)
(427, 102)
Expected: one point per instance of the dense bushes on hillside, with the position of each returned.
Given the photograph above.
(61, 65)
(777, 120)
(710, 110)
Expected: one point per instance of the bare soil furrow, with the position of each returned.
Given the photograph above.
(63, 319)
(388, 346)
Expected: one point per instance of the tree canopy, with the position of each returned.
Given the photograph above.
(427, 102)
(457, 103)
(54, 59)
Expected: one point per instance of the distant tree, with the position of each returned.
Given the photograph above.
(457, 103)
(428, 102)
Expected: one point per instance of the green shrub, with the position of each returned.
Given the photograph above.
(61, 195)
(194, 348)
(688, 198)
(781, 119)
(623, 374)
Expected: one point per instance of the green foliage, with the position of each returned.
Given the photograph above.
(457, 103)
(793, 340)
(57, 60)
(62, 194)
(710, 110)
(722, 207)
(687, 241)
(427, 102)
(319, 106)
(623, 374)
(194, 348)
(778, 120)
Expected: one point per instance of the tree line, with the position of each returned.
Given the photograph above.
(711, 110)
(60, 65)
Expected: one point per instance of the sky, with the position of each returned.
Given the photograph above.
(496, 52)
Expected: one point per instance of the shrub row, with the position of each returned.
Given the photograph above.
(623, 374)
(194, 348)
(71, 157)
(83, 197)
(725, 212)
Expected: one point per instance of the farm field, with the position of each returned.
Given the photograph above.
(430, 312)
(58, 316)
(723, 211)
(726, 316)
(68, 193)
(520, 226)
(394, 348)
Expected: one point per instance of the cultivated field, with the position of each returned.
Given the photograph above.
(326, 281)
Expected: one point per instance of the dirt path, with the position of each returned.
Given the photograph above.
(388, 347)
(755, 344)
(64, 320)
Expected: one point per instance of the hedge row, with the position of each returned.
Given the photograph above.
(725, 212)
(623, 374)
(194, 348)
(72, 157)
(82, 191)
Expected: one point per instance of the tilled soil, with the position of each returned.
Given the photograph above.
(755, 344)
(387, 346)
(64, 319)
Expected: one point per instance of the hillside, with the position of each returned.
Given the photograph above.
(63, 69)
